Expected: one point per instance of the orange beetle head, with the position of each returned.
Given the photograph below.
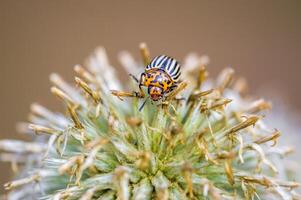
(156, 93)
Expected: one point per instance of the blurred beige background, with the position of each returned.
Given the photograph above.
(260, 39)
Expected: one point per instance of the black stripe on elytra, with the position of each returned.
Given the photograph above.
(173, 68)
(177, 76)
(165, 57)
(157, 59)
(176, 73)
(163, 65)
(168, 64)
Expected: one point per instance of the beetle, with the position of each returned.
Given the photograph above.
(161, 77)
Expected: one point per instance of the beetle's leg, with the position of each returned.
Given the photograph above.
(121, 94)
(172, 88)
(177, 90)
(139, 94)
(142, 94)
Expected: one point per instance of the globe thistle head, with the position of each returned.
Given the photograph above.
(207, 140)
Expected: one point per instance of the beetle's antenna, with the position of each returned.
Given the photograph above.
(143, 104)
(134, 77)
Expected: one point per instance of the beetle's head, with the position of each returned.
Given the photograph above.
(156, 93)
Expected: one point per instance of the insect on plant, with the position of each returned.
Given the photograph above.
(161, 77)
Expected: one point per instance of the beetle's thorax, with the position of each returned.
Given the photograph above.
(158, 78)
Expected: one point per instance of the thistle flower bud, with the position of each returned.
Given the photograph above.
(204, 141)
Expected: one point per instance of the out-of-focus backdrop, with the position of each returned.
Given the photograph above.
(260, 39)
